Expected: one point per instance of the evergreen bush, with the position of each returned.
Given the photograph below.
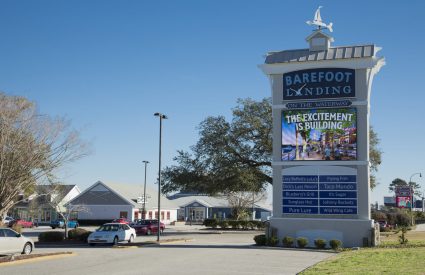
(335, 244)
(302, 242)
(288, 241)
(320, 243)
(260, 239)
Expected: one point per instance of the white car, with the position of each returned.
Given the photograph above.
(12, 242)
(112, 233)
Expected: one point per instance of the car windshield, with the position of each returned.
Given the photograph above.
(109, 227)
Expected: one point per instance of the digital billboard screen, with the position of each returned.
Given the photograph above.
(403, 202)
(319, 134)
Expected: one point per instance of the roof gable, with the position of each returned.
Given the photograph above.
(99, 194)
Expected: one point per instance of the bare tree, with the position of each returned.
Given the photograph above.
(55, 197)
(32, 147)
(241, 202)
(66, 211)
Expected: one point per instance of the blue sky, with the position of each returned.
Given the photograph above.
(109, 65)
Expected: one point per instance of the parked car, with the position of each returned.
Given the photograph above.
(112, 233)
(61, 224)
(12, 242)
(383, 225)
(22, 223)
(7, 220)
(147, 227)
(121, 220)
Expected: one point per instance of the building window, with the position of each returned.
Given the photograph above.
(45, 215)
(156, 214)
(168, 215)
(162, 215)
(73, 215)
(123, 214)
(150, 215)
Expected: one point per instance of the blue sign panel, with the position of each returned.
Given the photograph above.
(301, 179)
(338, 194)
(338, 179)
(301, 202)
(300, 194)
(326, 194)
(300, 186)
(300, 210)
(319, 83)
(338, 202)
(338, 186)
(338, 210)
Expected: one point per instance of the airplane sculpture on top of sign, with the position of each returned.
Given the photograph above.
(317, 21)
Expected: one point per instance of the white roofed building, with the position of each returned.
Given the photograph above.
(107, 201)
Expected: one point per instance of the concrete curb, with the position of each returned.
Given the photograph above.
(39, 258)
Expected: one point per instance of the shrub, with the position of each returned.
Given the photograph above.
(260, 239)
(302, 242)
(403, 219)
(78, 234)
(51, 236)
(273, 241)
(211, 223)
(320, 243)
(384, 229)
(402, 238)
(17, 227)
(335, 244)
(223, 224)
(244, 224)
(83, 237)
(234, 224)
(260, 224)
(288, 241)
(252, 225)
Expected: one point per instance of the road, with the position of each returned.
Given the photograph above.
(230, 253)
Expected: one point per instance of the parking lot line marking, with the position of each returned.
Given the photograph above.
(37, 259)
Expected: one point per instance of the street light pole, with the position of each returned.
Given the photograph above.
(161, 117)
(144, 192)
(411, 193)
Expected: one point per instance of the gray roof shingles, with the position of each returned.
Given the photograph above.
(303, 55)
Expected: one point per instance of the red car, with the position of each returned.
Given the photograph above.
(22, 223)
(147, 227)
(122, 220)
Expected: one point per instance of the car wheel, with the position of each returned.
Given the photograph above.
(115, 241)
(53, 227)
(27, 249)
(149, 232)
(131, 239)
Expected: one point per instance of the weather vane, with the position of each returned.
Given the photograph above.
(317, 21)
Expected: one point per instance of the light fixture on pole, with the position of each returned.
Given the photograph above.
(144, 192)
(412, 191)
(161, 117)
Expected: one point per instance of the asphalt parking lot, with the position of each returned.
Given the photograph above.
(201, 253)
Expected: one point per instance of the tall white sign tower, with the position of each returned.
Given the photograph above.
(320, 100)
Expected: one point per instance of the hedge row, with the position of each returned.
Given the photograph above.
(78, 234)
(58, 236)
(301, 242)
(234, 224)
(51, 236)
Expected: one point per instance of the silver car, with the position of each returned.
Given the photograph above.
(12, 242)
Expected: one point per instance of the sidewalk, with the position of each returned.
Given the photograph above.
(420, 227)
